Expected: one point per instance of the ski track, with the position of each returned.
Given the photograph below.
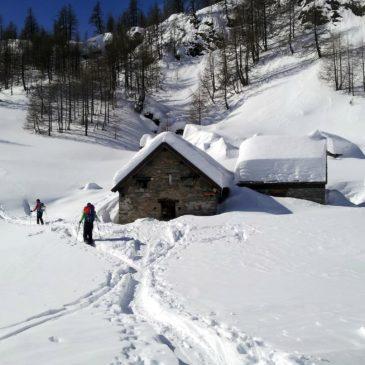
(154, 322)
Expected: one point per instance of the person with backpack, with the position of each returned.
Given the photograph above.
(39, 208)
(88, 217)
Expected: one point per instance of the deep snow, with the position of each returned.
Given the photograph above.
(268, 281)
(282, 159)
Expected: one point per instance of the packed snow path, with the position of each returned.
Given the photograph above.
(179, 82)
(153, 325)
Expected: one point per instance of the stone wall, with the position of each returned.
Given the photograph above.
(166, 176)
(312, 192)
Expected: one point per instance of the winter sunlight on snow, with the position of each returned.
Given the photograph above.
(233, 136)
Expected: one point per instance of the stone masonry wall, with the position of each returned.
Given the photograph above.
(315, 194)
(170, 178)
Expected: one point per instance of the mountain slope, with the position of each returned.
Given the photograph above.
(268, 281)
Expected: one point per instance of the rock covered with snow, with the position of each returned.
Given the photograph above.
(135, 32)
(92, 186)
(99, 42)
(281, 159)
(146, 138)
(209, 142)
(338, 145)
(194, 33)
(155, 110)
(210, 167)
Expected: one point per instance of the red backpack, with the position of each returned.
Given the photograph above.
(89, 212)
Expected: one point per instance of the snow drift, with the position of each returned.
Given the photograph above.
(209, 142)
(338, 145)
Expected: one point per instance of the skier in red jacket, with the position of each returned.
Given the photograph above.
(88, 217)
(39, 208)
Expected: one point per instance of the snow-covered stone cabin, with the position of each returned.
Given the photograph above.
(168, 178)
(284, 166)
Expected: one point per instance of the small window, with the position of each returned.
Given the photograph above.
(189, 180)
(142, 182)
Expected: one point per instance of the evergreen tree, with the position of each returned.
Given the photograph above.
(1, 28)
(31, 27)
(133, 13)
(96, 19)
(10, 32)
(65, 26)
(154, 16)
(110, 24)
(172, 7)
(313, 14)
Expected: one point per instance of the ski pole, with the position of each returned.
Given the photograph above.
(78, 231)
(97, 226)
(46, 215)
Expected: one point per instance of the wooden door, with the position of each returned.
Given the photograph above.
(168, 209)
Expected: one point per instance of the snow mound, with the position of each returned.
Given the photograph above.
(92, 186)
(247, 200)
(353, 191)
(336, 198)
(146, 138)
(155, 109)
(209, 142)
(361, 331)
(274, 158)
(338, 145)
(198, 158)
(199, 137)
(136, 32)
(108, 210)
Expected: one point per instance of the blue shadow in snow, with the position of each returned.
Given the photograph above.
(247, 200)
(2, 141)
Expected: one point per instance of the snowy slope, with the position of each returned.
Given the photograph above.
(34, 166)
(268, 281)
(296, 280)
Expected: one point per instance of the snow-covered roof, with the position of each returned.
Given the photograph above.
(281, 159)
(210, 167)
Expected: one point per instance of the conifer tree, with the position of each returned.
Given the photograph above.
(96, 19)
(313, 14)
(1, 28)
(65, 26)
(110, 24)
(133, 13)
(31, 27)
(10, 32)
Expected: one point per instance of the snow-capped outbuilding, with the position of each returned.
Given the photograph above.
(168, 178)
(284, 166)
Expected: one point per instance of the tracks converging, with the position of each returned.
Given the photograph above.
(148, 311)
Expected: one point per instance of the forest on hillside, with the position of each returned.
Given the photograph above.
(72, 82)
